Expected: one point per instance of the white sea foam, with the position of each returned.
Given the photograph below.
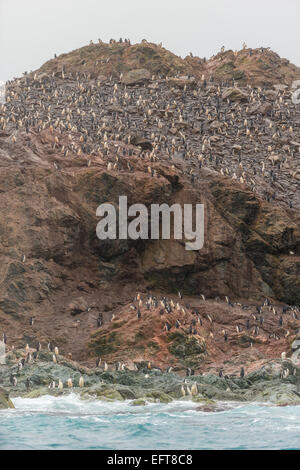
(70, 422)
(73, 403)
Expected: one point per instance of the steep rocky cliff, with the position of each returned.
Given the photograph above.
(54, 268)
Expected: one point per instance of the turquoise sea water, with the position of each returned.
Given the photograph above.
(70, 423)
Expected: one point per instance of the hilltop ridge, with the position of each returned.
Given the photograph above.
(259, 66)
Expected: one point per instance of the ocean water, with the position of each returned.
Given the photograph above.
(68, 422)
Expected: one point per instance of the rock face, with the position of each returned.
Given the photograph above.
(136, 77)
(68, 271)
(5, 402)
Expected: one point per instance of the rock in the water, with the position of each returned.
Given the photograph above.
(136, 77)
(5, 402)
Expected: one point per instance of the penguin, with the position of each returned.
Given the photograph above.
(27, 383)
(28, 358)
(98, 361)
(81, 382)
(60, 385)
(13, 380)
(70, 383)
(194, 389)
(242, 373)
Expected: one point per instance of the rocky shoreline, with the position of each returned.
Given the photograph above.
(277, 382)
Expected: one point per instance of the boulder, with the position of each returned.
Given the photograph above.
(77, 306)
(234, 94)
(216, 125)
(181, 83)
(275, 158)
(141, 142)
(264, 109)
(5, 402)
(280, 87)
(136, 77)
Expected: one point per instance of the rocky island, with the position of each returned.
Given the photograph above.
(147, 320)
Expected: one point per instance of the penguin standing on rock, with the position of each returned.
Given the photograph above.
(81, 382)
(28, 383)
(98, 361)
(13, 380)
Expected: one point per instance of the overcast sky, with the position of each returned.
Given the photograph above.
(31, 31)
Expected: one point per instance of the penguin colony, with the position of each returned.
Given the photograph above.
(255, 141)
(172, 315)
